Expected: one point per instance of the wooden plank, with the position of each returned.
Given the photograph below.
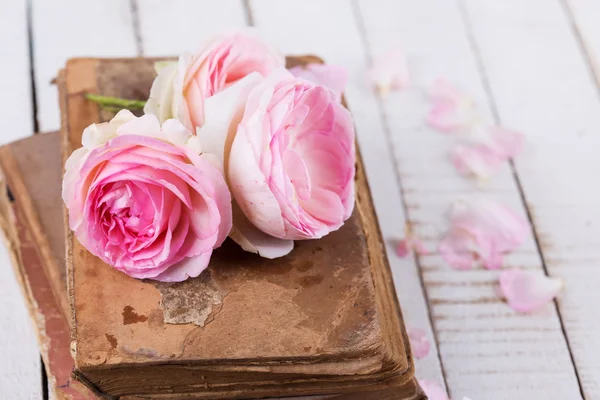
(63, 29)
(20, 369)
(184, 24)
(550, 93)
(487, 350)
(584, 15)
(338, 40)
(15, 102)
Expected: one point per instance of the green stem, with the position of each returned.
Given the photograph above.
(113, 103)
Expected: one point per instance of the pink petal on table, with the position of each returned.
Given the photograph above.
(451, 110)
(403, 248)
(433, 390)
(419, 247)
(390, 72)
(332, 76)
(459, 249)
(527, 291)
(494, 145)
(409, 243)
(481, 228)
(479, 161)
(418, 341)
(442, 90)
(505, 142)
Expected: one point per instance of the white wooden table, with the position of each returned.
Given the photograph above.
(532, 65)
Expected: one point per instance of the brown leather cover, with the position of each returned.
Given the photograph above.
(324, 319)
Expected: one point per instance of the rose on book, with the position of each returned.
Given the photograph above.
(181, 86)
(284, 144)
(288, 151)
(142, 198)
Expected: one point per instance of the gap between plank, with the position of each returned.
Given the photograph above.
(45, 391)
(583, 48)
(248, 10)
(496, 116)
(137, 32)
(34, 109)
(386, 128)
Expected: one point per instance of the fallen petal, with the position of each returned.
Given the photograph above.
(418, 341)
(442, 90)
(433, 390)
(478, 161)
(390, 72)
(446, 117)
(403, 248)
(481, 228)
(458, 249)
(409, 243)
(419, 247)
(505, 142)
(451, 111)
(527, 291)
(334, 77)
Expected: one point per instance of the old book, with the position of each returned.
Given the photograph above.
(324, 319)
(31, 220)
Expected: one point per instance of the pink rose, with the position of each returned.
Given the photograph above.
(288, 149)
(142, 198)
(180, 88)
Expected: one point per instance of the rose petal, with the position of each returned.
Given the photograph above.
(458, 249)
(451, 110)
(189, 267)
(223, 113)
(447, 117)
(418, 341)
(403, 248)
(478, 161)
(390, 72)
(442, 90)
(97, 134)
(493, 146)
(527, 291)
(161, 93)
(252, 239)
(481, 228)
(146, 125)
(334, 77)
(419, 247)
(175, 132)
(432, 390)
(408, 244)
(505, 143)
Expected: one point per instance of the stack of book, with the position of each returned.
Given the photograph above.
(323, 322)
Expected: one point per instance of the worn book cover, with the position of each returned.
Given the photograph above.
(31, 220)
(324, 319)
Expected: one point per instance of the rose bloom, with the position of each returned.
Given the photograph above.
(142, 198)
(288, 150)
(181, 87)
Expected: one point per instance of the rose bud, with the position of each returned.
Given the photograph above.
(143, 199)
(181, 87)
(287, 146)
